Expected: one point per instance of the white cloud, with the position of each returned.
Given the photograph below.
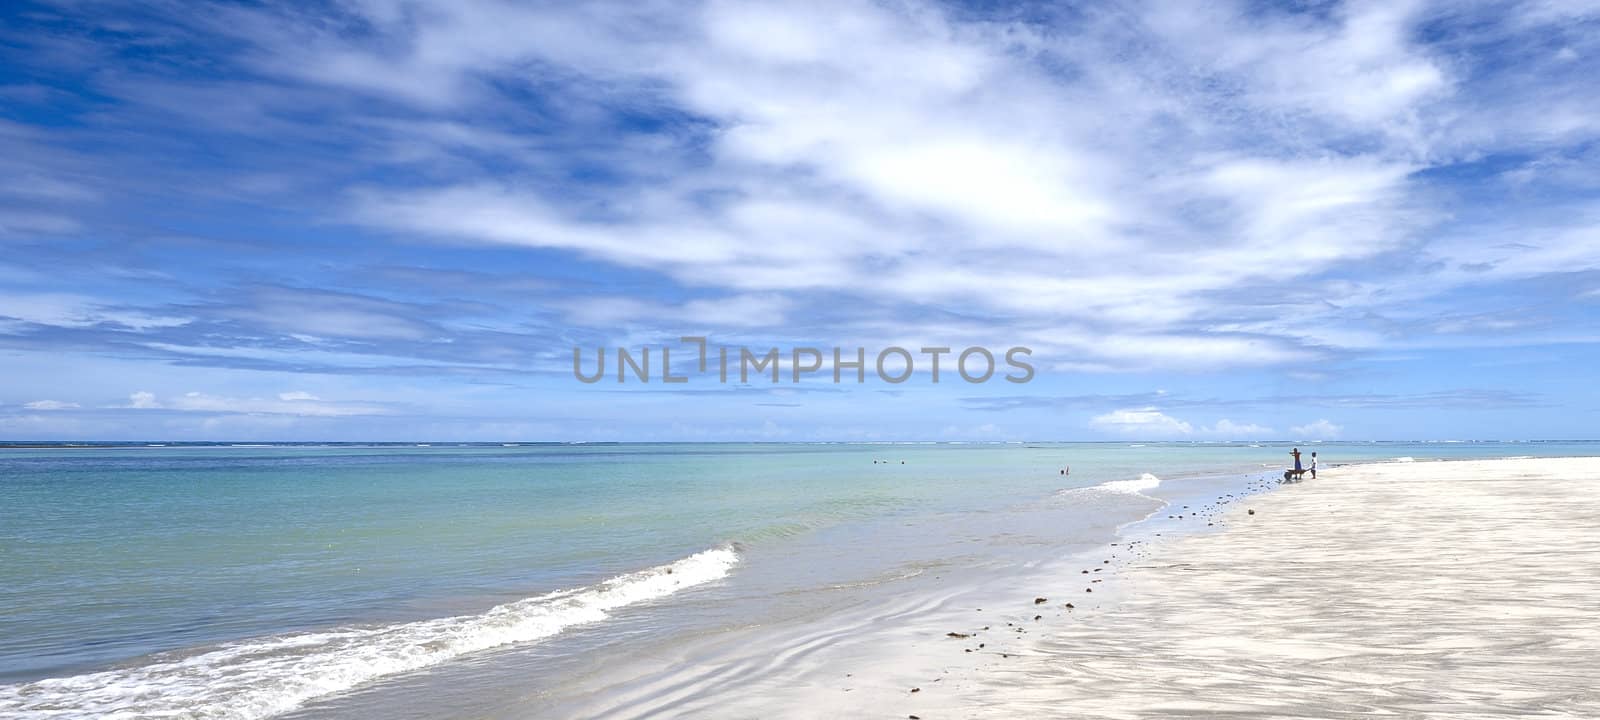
(143, 400)
(297, 356)
(45, 187)
(78, 311)
(1152, 423)
(21, 223)
(50, 405)
(1319, 430)
(323, 314)
(981, 180)
(735, 311)
(1229, 429)
(1142, 422)
(1169, 208)
(1357, 65)
(288, 403)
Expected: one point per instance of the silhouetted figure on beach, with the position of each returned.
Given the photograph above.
(1296, 453)
(1313, 466)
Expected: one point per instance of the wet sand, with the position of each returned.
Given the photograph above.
(1463, 589)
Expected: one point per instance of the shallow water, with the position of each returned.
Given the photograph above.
(257, 581)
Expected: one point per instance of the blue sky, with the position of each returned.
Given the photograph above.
(384, 220)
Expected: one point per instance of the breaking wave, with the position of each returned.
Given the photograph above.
(263, 677)
(1146, 481)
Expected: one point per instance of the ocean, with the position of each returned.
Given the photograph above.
(254, 581)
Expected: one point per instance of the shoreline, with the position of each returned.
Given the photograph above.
(779, 638)
(1361, 591)
(875, 653)
(1451, 588)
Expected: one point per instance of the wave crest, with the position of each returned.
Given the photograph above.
(267, 676)
(1146, 481)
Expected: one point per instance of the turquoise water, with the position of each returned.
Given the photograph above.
(189, 579)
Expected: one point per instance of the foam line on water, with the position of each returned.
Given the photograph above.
(1146, 481)
(268, 676)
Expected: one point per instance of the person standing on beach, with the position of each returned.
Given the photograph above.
(1296, 453)
(1313, 466)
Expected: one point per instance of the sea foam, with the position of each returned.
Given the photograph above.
(263, 677)
(1146, 481)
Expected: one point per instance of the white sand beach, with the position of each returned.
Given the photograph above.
(1463, 589)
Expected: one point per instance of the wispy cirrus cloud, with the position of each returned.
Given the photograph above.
(1460, 398)
(827, 171)
(463, 190)
(296, 403)
(69, 310)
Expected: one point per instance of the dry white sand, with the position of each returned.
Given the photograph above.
(1466, 589)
